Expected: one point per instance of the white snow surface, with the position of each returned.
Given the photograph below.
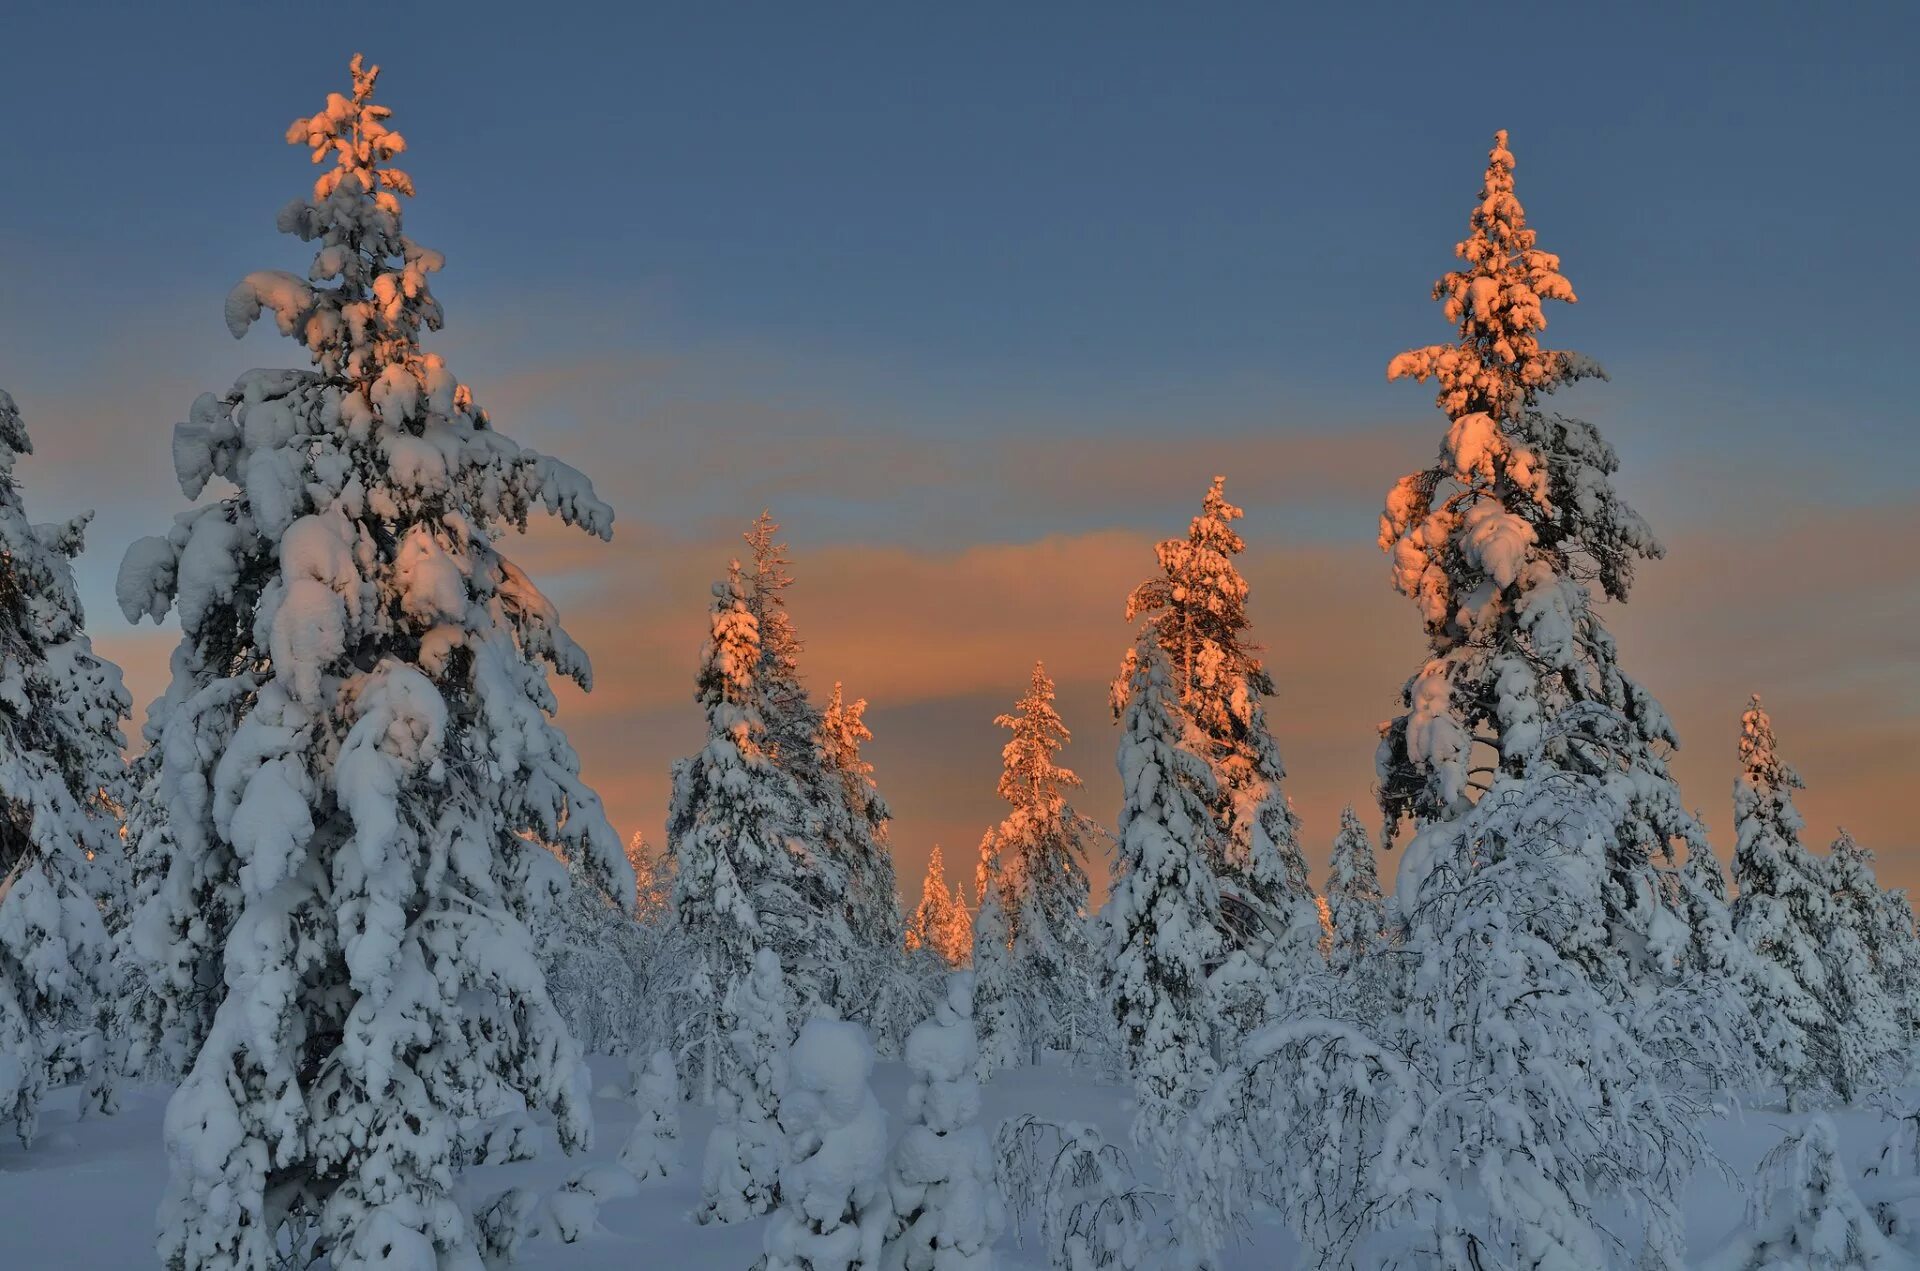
(84, 1195)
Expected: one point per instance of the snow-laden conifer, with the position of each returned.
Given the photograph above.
(653, 1148)
(1785, 914)
(1900, 967)
(834, 1211)
(1803, 1213)
(1042, 845)
(1355, 908)
(740, 1174)
(739, 878)
(997, 994)
(947, 1207)
(1866, 1013)
(940, 921)
(1499, 542)
(1196, 612)
(359, 772)
(61, 780)
(1163, 914)
(847, 873)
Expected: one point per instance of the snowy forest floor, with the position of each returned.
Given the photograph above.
(84, 1195)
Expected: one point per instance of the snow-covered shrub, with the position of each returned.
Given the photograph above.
(946, 1203)
(1090, 1208)
(576, 1206)
(653, 1149)
(833, 1212)
(1803, 1214)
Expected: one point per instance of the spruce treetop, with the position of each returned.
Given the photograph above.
(1029, 779)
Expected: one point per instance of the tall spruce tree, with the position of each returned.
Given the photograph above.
(840, 815)
(358, 759)
(1499, 542)
(1042, 845)
(1164, 912)
(1196, 611)
(61, 780)
(1872, 1036)
(739, 877)
(1785, 914)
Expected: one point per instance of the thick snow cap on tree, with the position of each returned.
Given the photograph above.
(61, 785)
(834, 1211)
(359, 770)
(1196, 611)
(946, 1203)
(1496, 542)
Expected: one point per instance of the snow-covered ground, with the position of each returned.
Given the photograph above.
(84, 1195)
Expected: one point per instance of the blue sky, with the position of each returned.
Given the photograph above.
(935, 279)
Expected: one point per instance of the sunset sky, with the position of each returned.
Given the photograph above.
(977, 299)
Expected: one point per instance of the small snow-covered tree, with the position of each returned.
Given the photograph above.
(1163, 913)
(996, 993)
(1785, 914)
(739, 883)
(653, 1148)
(1196, 612)
(1867, 1015)
(1803, 1213)
(359, 771)
(61, 778)
(1042, 845)
(740, 1176)
(1355, 908)
(940, 922)
(834, 1211)
(946, 1205)
(1498, 543)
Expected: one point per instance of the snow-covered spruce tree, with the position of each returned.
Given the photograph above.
(841, 818)
(358, 758)
(946, 1206)
(740, 1173)
(940, 921)
(653, 1148)
(1786, 916)
(834, 1211)
(1355, 907)
(1900, 967)
(1196, 611)
(1042, 845)
(738, 877)
(997, 994)
(873, 892)
(61, 777)
(1803, 1213)
(1872, 1039)
(1163, 914)
(1498, 543)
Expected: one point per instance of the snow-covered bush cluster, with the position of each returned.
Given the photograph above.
(355, 899)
